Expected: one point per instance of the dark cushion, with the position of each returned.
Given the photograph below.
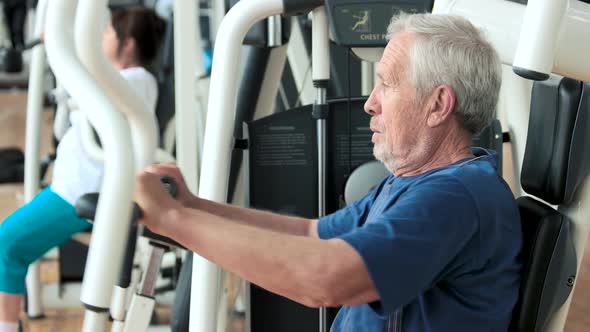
(554, 163)
(549, 265)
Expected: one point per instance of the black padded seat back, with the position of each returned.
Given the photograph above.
(554, 166)
(555, 163)
(549, 265)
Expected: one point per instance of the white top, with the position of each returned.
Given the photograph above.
(74, 172)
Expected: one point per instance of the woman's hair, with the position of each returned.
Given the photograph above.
(142, 25)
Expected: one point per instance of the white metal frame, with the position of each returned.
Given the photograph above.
(217, 143)
(32, 133)
(114, 207)
(87, 33)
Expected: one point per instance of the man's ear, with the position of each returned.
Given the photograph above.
(440, 105)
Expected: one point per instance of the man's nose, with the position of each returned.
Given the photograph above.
(372, 105)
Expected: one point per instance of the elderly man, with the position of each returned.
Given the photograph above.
(433, 248)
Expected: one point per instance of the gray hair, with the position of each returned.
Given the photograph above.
(450, 50)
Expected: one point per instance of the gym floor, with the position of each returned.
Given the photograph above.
(12, 133)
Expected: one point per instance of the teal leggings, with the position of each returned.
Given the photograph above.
(30, 231)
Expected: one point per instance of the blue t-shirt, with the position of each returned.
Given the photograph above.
(441, 249)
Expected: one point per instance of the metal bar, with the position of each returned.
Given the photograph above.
(32, 139)
(217, 144)
(320, 59)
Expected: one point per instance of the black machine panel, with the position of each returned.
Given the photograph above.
(283, 157)
(358, 23)
(283, 163)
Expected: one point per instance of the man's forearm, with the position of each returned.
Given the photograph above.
(302, 269)
(263, 219)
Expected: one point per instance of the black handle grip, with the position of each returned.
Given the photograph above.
(86, 208)
(127, 264)
(170, 185)
(86, 204)
(172, 189)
